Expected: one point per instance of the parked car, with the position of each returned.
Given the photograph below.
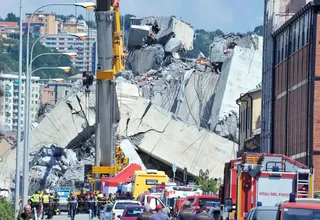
(263, 213)
(119, 207)
(131, 212)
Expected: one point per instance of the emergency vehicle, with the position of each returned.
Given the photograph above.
(169, 194)
(299, 209)
(266, 179)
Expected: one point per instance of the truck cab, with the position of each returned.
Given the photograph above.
(299, 209)
(262, 178)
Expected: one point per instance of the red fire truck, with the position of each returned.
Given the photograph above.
(264, 179)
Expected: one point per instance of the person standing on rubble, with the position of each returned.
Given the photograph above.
(187, 212)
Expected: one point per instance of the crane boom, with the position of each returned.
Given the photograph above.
(109, 158)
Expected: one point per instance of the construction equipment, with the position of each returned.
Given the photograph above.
(109, 158)
(262, 179)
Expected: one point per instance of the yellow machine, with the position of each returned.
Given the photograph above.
(143, 180)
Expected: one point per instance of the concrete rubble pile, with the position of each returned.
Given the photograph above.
(156, 40)
(53, 166)
(199, 91)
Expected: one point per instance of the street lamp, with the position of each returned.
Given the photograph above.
(64, 68)
(86, 5)
(71, 55)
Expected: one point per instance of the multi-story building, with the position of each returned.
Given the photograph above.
(73, 26)
(7, 28)
(10, 84)
(296, 88)
(42, 23)
(276, 13)
(66, 43)
(250, 120)
(53, 92)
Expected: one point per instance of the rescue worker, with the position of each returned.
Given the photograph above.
(160, 215)
(204, 214)
(99, 204)
(91, 206)
(187, 212)
(56, 203)
(45, 202)
(36, 201)
(73, 206)
(146, 214)
(69, 199)
(50, 209)
(27, 214)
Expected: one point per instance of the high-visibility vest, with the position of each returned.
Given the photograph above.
(36, 198)
(46, 199)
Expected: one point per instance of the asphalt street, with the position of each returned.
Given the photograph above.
(78, 217)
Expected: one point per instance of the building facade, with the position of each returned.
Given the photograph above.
(8, 28)
(296, 93)
(66, 43)
(276, 13)
(53, 92)
(42, 23)
(10, 84)
(250, 120)
(73, 26)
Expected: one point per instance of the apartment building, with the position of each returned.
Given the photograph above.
(53, 92)
(250, 120)
(8, 28)
(42, 23)
(276, 13)
(73, 26)
(10, 84)
(66, 43)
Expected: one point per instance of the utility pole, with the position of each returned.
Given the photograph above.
(105, 86)
(18, 148)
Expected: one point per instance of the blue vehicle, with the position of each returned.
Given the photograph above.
(63, 194)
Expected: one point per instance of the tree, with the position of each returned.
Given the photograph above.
(12, 17)
(80, 17)
(6, 210)
(207, 184)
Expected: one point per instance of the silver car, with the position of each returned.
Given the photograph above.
(263, 213)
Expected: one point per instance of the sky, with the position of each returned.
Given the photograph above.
(227, 15)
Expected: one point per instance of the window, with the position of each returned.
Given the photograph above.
(308, 24)
(293, 41)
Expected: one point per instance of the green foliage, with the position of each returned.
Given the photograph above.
(207, 184)
(6, 210)
(9, 61)
(202, 41)
(11, 17)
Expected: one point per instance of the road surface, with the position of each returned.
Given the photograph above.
(78, 217)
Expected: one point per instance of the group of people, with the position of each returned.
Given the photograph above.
(45, 201)
(187, 213)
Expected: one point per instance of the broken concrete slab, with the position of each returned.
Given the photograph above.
(157, 133)
(222, 46)
(138, 35)
(169, 27)
(240, 73)
(173, 45)
(142, 60)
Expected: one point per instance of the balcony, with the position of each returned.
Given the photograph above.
(15, 110)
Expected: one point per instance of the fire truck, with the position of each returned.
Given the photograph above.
(264, 179)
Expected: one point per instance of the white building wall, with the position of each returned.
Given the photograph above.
(66, 43)
(10, 83)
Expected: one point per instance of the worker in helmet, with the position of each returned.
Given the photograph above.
(45, 202)
(36, 201)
